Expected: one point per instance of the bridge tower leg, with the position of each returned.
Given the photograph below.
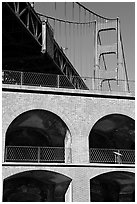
(119, 73)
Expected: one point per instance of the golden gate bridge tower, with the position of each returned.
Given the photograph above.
(68, 132)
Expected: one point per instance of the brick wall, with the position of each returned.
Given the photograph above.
(80, 113)
(80, 176)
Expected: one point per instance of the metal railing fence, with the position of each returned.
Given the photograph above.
(35, 79)
(34, 154)
(57, 154)
(61, 81)
(118, 156)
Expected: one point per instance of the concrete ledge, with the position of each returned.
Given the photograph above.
(39, 89)
(70, 165)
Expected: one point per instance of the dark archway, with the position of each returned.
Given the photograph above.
(40, 130)
(116, 186)
(35, 186)
(114, 132)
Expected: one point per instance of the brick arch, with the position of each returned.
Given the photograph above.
(108, 115)
(101, 171)
(59, 112)
(62, 116)
(107, 133)
(100, 115)
(19, 169)
(53, 181)
(113, 183)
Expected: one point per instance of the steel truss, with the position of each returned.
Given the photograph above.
(42, 32)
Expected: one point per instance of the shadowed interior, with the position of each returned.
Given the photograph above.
(37, 128)
(36, 186)
(116, 186)
(114, 131)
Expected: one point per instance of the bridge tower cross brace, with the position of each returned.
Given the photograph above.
(119, 73)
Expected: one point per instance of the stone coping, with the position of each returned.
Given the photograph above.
(67, 91)
(69, 164)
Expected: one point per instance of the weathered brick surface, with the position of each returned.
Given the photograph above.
(80, 177)
(80, 113)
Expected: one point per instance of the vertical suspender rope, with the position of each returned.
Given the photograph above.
(98, 57)
(80, 42)
(65, 36)
(74, 42)
(95, 48)
(57, 26)
(73, 32)
(71, 41)
(88, 45)
(84, 20)
(69, 51)
(60, 42)
(54, 19)
(117, 30)
(54, 25)
(85, 40)
(79, 14)
(73, 11)
(91, 44)
(81, 47)
(55, 6)
(90, 50)
(65, 29)
(77, 47)
(65, 9)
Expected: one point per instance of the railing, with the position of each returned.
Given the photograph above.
(35, 154)
(118, 156)
(58, 154)
(61, 81)
(39, 79)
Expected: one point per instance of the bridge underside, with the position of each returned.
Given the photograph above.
(21, 50)
(29, 45)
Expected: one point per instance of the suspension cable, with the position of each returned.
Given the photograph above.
(64, 21)
(95, 14)
(74, 22)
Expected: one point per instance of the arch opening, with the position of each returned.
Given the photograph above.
(116, 186)
(38, 136)
(36, 186)
(112, 140)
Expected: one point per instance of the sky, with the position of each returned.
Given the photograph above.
(78, 49)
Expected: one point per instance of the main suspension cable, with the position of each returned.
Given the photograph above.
(95, 14)
(64, 21)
